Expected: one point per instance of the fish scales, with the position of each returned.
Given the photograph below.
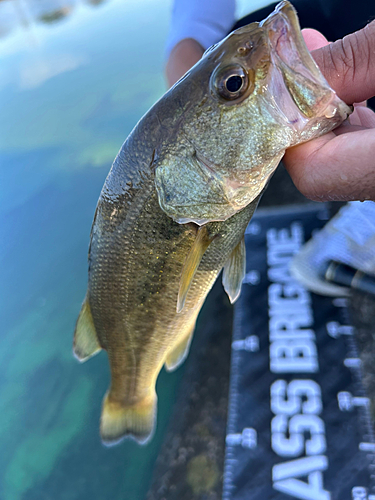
(139, 272)
(177, 200)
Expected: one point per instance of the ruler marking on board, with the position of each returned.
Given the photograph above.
(233, 397)
(367, 447)
(365, 408)
(352, 362)
(255, 432)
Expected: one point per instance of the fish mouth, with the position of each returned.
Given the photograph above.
(287, 42)
(308, 93)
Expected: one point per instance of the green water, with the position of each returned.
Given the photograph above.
(74, 80)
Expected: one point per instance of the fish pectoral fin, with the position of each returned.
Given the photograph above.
(234, 271)
(201, 243)
(85, 343)
(136, 421)
(179, 352)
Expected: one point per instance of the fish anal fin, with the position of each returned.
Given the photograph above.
(136, 421)
(200, 245)
(234, 271)
(85, 343)
(179, 352)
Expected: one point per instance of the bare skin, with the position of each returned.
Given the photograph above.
(341, 164)
(183, 56)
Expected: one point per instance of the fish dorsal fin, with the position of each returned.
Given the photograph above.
(177, 355)
(85, 342)
(234, 271)
(201, 243)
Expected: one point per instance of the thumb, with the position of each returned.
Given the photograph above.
(349, 65)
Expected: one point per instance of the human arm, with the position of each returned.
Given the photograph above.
(182, 57)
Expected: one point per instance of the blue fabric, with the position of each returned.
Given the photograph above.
(205, 21)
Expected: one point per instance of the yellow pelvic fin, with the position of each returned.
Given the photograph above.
(234, 271)
(135, 421)
(85, 343)
(179, 352)
(201, 243)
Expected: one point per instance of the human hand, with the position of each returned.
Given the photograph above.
(341, 164)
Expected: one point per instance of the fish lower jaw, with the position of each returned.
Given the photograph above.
(335, 109)
(330, 117)
(338, 109)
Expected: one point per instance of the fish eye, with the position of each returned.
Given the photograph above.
(230, 82)
(234, 83)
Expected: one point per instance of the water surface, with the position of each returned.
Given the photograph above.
(75, 77)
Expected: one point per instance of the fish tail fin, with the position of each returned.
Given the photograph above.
(119, 420)
(85, 343)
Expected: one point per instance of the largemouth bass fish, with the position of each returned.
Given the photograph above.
(177, 200)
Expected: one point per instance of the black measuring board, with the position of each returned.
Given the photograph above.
(299, 423)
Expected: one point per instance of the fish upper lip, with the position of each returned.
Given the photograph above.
(283, 23)
(288, 50)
